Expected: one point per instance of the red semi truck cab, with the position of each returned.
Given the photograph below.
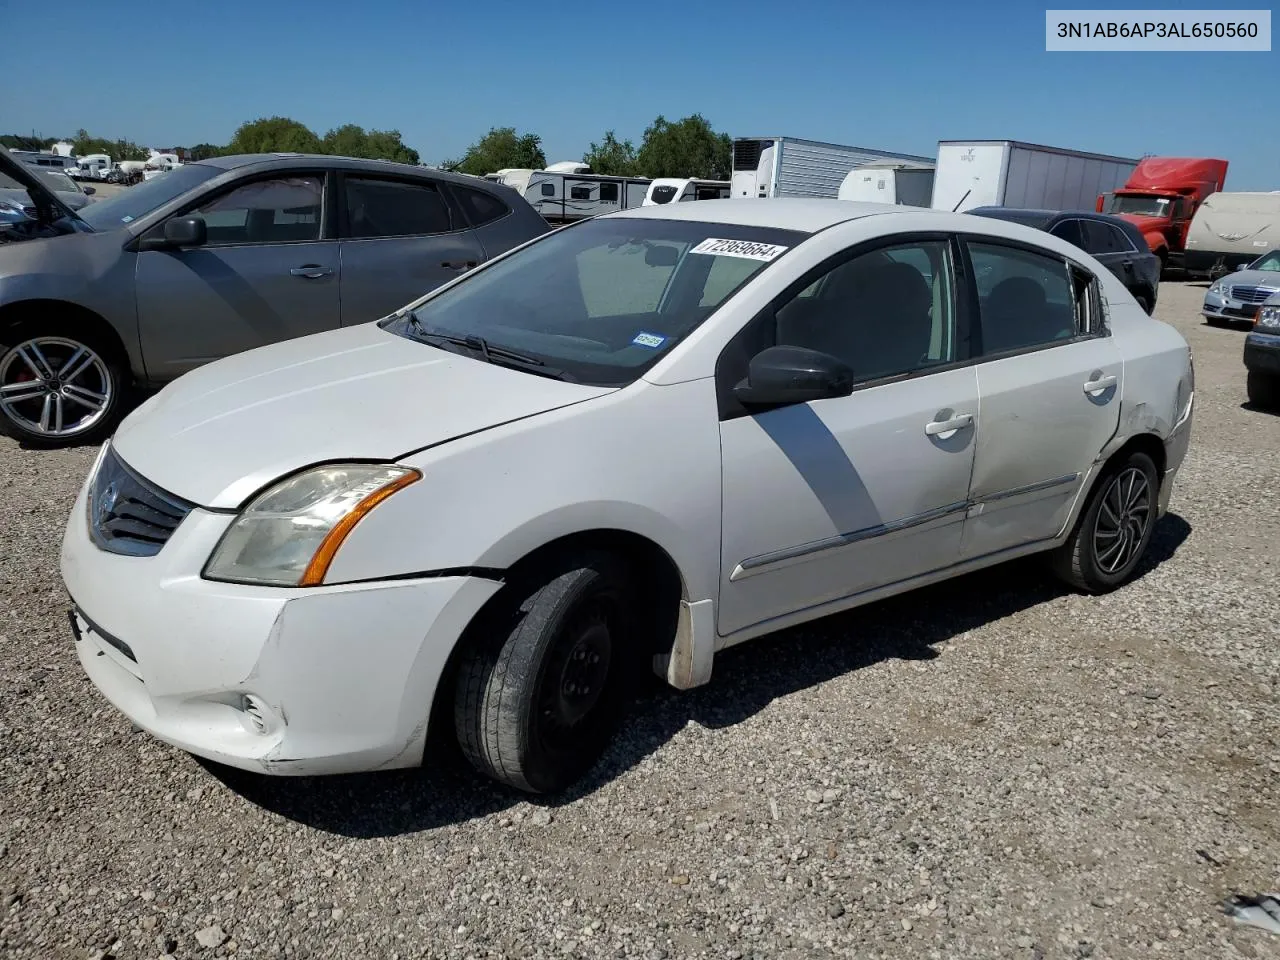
(1160, 198)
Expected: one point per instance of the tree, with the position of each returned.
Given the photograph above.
(117, 150)
(686, 148)
(611, 158)
(203, 151)
(15, 141)
(499, 149)
(352, 140)
(274, 135)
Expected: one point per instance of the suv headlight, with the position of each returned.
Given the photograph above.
(1269, 317)
(288, 535)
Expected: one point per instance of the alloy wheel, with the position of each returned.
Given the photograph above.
(1124, 517)
(54, 387)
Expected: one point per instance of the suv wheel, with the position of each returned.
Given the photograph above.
(1263, 390)
(58, 389)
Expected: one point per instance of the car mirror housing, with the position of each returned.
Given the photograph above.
(784, 375)
(185, 232)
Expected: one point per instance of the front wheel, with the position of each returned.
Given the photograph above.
(542, 687)
(58, 388)
(1263, 390)
(1115, 528)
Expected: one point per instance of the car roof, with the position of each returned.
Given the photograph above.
(802, 214)
(285, 160)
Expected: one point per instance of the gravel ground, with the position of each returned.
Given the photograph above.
(989, 768)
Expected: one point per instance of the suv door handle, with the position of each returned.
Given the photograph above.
(312, 271)
(458, 264)
(936, 428)
(1097, 386)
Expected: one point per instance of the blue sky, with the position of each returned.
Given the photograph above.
(895, 76)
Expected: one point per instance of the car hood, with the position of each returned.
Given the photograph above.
(1144, 223)
(48, 205)
(217, 435)
(1253, 278)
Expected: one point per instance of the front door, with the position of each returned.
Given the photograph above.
(835, 497)
(401, 240)
(263, 276)
(1050, 383)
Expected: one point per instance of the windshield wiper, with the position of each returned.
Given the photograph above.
(498, 356)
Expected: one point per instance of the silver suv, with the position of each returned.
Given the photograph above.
(214, 258)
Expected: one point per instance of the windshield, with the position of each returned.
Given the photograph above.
(602, 301)
(1268, 261)
(1140, 206)
(133, 202)
(62, 183)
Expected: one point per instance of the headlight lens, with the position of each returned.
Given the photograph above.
(288, 535)
(1269, 317)
(1218, 288)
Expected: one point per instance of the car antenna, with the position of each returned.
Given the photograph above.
(961, 200)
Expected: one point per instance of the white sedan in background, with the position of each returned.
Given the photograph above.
(624, 446)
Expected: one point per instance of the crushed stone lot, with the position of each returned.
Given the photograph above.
(989, 768)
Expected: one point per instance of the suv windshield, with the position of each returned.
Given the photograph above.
(1140, 206)
(599, 302)
(133, 202)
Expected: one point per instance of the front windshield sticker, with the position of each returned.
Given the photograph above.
(739, 248)
(125, 219)
(651, 340)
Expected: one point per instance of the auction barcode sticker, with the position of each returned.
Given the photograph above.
(746, 249)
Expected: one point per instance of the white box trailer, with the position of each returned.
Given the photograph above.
(1009, 173)
(791, 167)
(906, 184)
(1230, 230)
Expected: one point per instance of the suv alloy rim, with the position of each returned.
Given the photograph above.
(54, 387)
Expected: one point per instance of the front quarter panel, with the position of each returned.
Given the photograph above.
(645, 460)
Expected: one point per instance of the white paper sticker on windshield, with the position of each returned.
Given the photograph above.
(745, 249)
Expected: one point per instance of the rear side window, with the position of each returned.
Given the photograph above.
(1069, 230)
(481, 207)
(1103, 238)
(392, 208)
(1025, 299)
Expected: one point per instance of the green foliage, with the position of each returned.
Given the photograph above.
(686, 148)
(203, 151)
(611, 158)
(15, 141)
(274, 135)
(499, 149)
(351, 140)
(116, 149)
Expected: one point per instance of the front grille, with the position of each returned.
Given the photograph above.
(746, 154)
(1253, 294)
(127, 514)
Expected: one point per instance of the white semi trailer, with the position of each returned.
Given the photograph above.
(791, 167)
(1009, 173)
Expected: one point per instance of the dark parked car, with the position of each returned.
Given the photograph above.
(215, 258)
(1115, 243)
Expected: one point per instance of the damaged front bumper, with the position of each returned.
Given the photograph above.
(286, 681)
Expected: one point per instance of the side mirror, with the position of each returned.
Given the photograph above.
(661, 255)
(186, 232)
(785, 375)
(88, 191)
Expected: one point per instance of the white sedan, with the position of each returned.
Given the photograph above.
(624, 446)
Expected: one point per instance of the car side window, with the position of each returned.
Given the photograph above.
(278, 210)
(394, 208)
(1025, 299)
(886, 312)
(1069, 230)
(1103, 238)
(481, 207)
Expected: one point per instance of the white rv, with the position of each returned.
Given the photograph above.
(680, 190)
(901, 183)
(1230, 230)
(44, 159)
(563, 197)
(790, 167)
(1009, 173)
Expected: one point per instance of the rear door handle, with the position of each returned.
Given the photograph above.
(311, 271)
(936, 428)
(458, 264)
(1097, 386)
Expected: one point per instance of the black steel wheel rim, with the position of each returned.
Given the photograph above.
(577, 674)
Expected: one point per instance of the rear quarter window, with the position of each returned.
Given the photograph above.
(480, 207)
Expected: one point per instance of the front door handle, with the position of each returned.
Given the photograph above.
(460, 265)
(944, 429)
(1097, 386)
(311, 271)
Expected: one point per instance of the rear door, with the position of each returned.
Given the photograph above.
(266, 274)
(1049, 384)
(401, 237)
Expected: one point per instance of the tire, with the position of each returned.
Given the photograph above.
(520, 710)
(1263, 390)
(1121, 516)
(1145, 304)
(59, 386)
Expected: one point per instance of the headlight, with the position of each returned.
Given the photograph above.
(288, 535)
(1269, 317)
(1218, 288)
